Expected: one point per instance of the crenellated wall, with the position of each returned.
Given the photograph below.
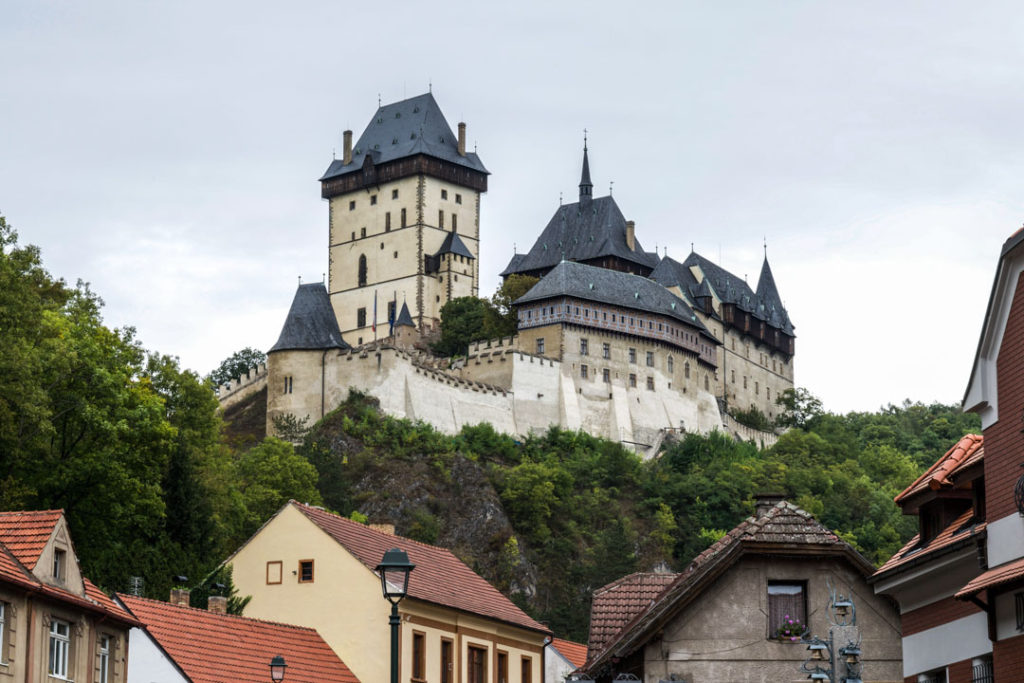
(243, 387)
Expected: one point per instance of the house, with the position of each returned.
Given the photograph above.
(176, 643)
(310, 567)
(561, 658)
(721, 619)
(54, 623)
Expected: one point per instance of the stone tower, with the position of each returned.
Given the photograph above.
(404, 205)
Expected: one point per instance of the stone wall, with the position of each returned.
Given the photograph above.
(242, 387)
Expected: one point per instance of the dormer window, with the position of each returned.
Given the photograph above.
(59, 559)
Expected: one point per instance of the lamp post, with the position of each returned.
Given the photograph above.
(394, 570)
(277, 667)
(821, 664)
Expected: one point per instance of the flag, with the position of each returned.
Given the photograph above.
(375, 311)
(392, 312)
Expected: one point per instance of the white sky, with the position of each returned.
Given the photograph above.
(168, 153)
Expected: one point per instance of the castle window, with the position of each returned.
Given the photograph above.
(362, 270)
(352, 205)
(288, 384)
(768, 393)
(362, 232)
(686, 369)
(353, 234)
(586, 312)
(387, 222)
(584, 347)
(733, 373)
(403, 218)
(540, 346)
(396, 254)
(606, 375)
(632, 355)
(394, 194)
(671, 365)
(650, 383)
(458, 198)
(757, 388)
(455, 223)
(382, 246)
(650, 359)
(632, 380)
(361, 317)
(707, 385)
(373, 200)
(577, 310)
(744, 381)
(606, 350)
(583, 372)
(631, 322)
(444, 194)
(440, 219)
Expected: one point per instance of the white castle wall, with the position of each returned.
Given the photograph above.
(243, 387)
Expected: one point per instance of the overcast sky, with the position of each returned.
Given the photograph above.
(168, 153)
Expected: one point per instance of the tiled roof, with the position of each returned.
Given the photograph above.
(222, 648)
(958, 533)
(614, 605)
(311, 323)
(783, 527)
(25, 533)
(453, 244)
(1004, 573)
(967, 451)
(403, 129)
(576, 653)
(439, 577)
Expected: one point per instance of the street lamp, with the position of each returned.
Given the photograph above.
(821, 663)
(277, 667)
(394, 570)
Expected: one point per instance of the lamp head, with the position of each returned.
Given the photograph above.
(394, 570)
(277, 667)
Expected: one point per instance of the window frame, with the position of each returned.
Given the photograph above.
(447, 652)
(280, 572)
(104, 651)
(312, 571)
(59, 651)
(418, 670)
(500, 666)
(471, 651)
(776, 612)
(526, 669)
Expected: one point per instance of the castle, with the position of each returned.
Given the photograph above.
(613, 340)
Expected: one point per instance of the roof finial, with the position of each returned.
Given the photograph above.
(586, 187)
(691, 247)
(559, 198)
(765, 238)
(611, 186)
(300, 279)
(323, 278)
(378, 100)
(430, 86)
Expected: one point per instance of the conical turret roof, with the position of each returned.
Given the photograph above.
(310, 323)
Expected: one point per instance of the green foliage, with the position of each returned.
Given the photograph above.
(269, 475)
(463, 320)
(237, 365)
(219, 582)
(503, 321)
(291, 428)
(799, 408)
(753, 418)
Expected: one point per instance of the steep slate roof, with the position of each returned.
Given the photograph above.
(581, 231)
(576, 653)
(218, 648)
(310, 323)
(959, 534)
(672, 273)
(439, 577)
(611, 287)
(765, 304)
(403, 129)
(453, 244)
(966, 452)
(25, 533)
(615, 604)
(404, 317)
(784, 528)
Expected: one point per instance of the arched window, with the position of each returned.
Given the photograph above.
(671, 365)
(362, 270)
(686, 369)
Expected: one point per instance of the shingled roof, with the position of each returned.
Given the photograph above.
(25, 533)
(453, 244)
(403, 129)
(614, 605)
(213, 648)
(581, 231)
(575, 653)
(970, 449)
(310, 323)
(612, 287)
(783, 528)
(439, 577)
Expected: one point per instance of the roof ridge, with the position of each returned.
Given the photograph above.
(215, 615)
(375, 531)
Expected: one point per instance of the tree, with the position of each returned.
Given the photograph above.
(237, 365)
(269, 475)
(503, 321)
(462, 321)
(800, 408)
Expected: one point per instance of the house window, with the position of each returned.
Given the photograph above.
(458, 198)
(650, 383)
(288, 384)
(502, 667)
(403, 218)
(632, 355)
(584, 347)
(650, 359)
(444, 194)
(105, 672)
(3, 631)
(606, 350)
(419, 656)
(447, 665)
(361, 317)
(936, 676)
(440, 219)
(352, 205)
(527, 670)
(60, 645)
(394, 194)
(274, 572)
(787, 603)
(1018, 599)
(387, 221)
(632, 380)
(362, 270)
(540, 346)
(373, 200)
(476, 666)
(981, 670)
(59, 560)
(305, 571)
(583, 372)
(606, 375)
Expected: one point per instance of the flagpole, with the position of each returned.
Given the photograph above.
(375, 315)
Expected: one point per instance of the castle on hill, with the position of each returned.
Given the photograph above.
(613, 340)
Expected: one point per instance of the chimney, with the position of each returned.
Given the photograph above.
(217, 604)
(347, 147)
(631, 235)
(766, 501)
(462, 139)
(180, 596)
(384, 528)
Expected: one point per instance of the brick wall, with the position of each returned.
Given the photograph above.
(1004, 441)
(938, 613)
(1008, 659)
(959, 672)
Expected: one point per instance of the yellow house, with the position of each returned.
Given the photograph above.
(307, 566)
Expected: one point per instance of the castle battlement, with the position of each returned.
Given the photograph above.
(242, 386)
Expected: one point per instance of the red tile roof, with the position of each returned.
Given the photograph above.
(1004, 573)
(958, 533)
(576, 653)
(223, 648)
(439, 577)
(615, 604)
(25, 533)
(967, 451)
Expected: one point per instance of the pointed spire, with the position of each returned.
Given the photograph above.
(586, 187)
